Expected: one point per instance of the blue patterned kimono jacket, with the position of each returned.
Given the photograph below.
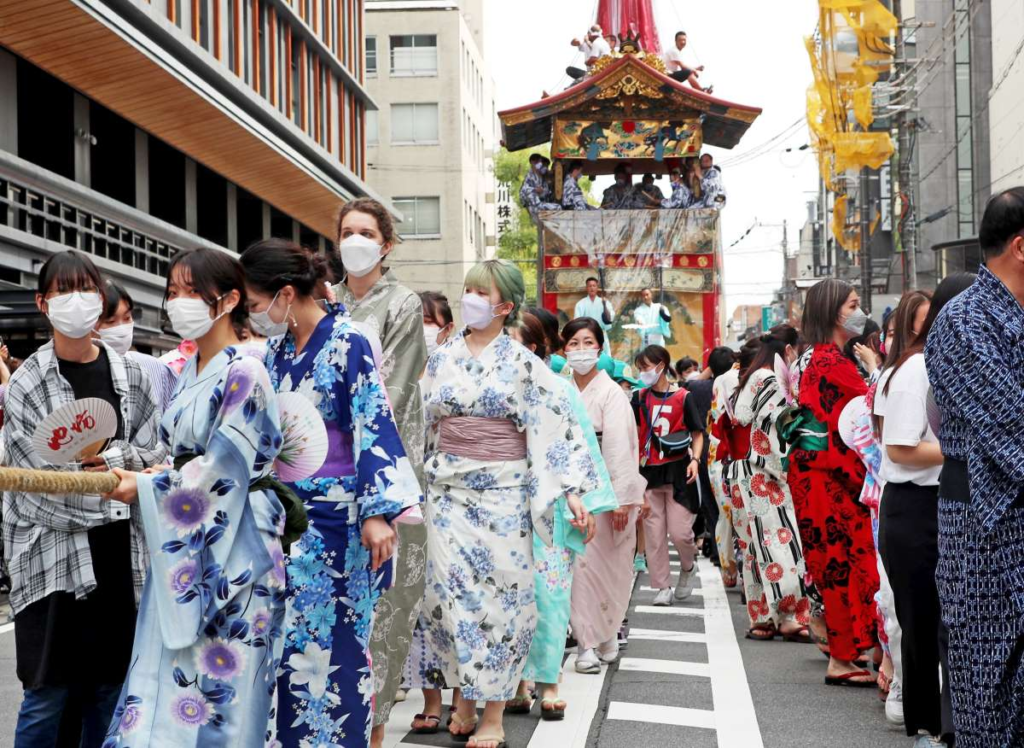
(975, 363)
(326, 686)
(209, 628)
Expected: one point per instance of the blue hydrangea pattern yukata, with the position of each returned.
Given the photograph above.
(479, 613)
(325, 684)
(209, 628)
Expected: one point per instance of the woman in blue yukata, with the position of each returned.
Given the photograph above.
(208, 637)
(342, 564)
(503, 446)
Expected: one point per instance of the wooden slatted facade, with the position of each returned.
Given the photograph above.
(266, 39)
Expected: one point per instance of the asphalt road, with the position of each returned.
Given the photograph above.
(688, 678)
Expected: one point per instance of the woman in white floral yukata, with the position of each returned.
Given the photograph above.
(503, 446)
(773, 563)
(208, 635)
(341, 565)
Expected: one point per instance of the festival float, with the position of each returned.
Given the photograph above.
(629, 110)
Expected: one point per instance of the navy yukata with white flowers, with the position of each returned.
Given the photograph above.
(325, 682)
(208, 637)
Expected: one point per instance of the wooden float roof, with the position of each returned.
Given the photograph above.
(724, 122)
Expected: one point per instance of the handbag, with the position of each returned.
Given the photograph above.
(676, 444)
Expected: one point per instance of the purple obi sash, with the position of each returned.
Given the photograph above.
(339, 462)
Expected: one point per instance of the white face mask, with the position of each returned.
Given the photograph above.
(190, 318)
(582, 362)
(430, 333)
(650, 377)
(477, 311)
(75, 314)
(119, 337)
(692, 375)
(359, 255)
(265, 325)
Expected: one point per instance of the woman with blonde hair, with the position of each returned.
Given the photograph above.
(502, 447)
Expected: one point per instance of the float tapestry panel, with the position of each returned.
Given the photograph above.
(652, 139)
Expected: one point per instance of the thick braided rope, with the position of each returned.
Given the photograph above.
(48, 481)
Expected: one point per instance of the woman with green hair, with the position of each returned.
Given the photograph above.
(503, 446)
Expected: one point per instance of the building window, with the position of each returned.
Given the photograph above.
(372, 134)
(371, 55)
(964, 115)
(414, 54)
(422, 216)
(414, 123)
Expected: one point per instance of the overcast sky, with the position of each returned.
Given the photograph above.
(754, 54)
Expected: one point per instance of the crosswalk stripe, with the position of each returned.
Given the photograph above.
(645, 588)
(670, 611)
(6, 627)
(662, 715)
(667, 667)
(582, 694)
(734, 708)
(686, 637)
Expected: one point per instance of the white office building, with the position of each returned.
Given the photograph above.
(429, 146)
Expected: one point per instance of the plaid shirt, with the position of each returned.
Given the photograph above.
(45, 539)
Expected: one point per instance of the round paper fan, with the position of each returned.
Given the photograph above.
(304, 438)
(75, 431)
(849, 423)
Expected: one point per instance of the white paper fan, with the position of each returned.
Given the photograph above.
(75, 431)
(304, 437)
(849, 421)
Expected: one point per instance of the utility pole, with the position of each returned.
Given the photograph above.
(865, 242)
(905, 121)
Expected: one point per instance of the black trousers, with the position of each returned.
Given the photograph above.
(908, 534)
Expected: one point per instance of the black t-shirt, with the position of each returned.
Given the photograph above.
(61, 641)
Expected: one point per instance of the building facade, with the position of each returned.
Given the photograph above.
(430, 145)
(951, 111)
(1005, 112)
(131, 129)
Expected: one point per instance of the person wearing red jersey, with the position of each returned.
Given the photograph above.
(663, 411)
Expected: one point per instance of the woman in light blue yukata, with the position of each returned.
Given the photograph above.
(342, 564)
(208, 637)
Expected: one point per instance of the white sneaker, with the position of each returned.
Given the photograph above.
(684, 588)
(587, 663)
(609, 651)
(927, 741)
(663, 598)
(894, 703)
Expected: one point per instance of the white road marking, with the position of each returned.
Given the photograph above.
(662, 715)
(645, 588)
(582, 694)
(686, 637)
(670, 611)
(734, 708)
(6, 627)
(668, 667)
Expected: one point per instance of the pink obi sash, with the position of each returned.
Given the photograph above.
(483, 439)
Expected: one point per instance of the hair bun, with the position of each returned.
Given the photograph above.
(318, 267)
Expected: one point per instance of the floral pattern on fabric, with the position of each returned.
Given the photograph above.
(835, 528)
(208, 637)
(479, 613)
(773, 564)
(326, 684)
